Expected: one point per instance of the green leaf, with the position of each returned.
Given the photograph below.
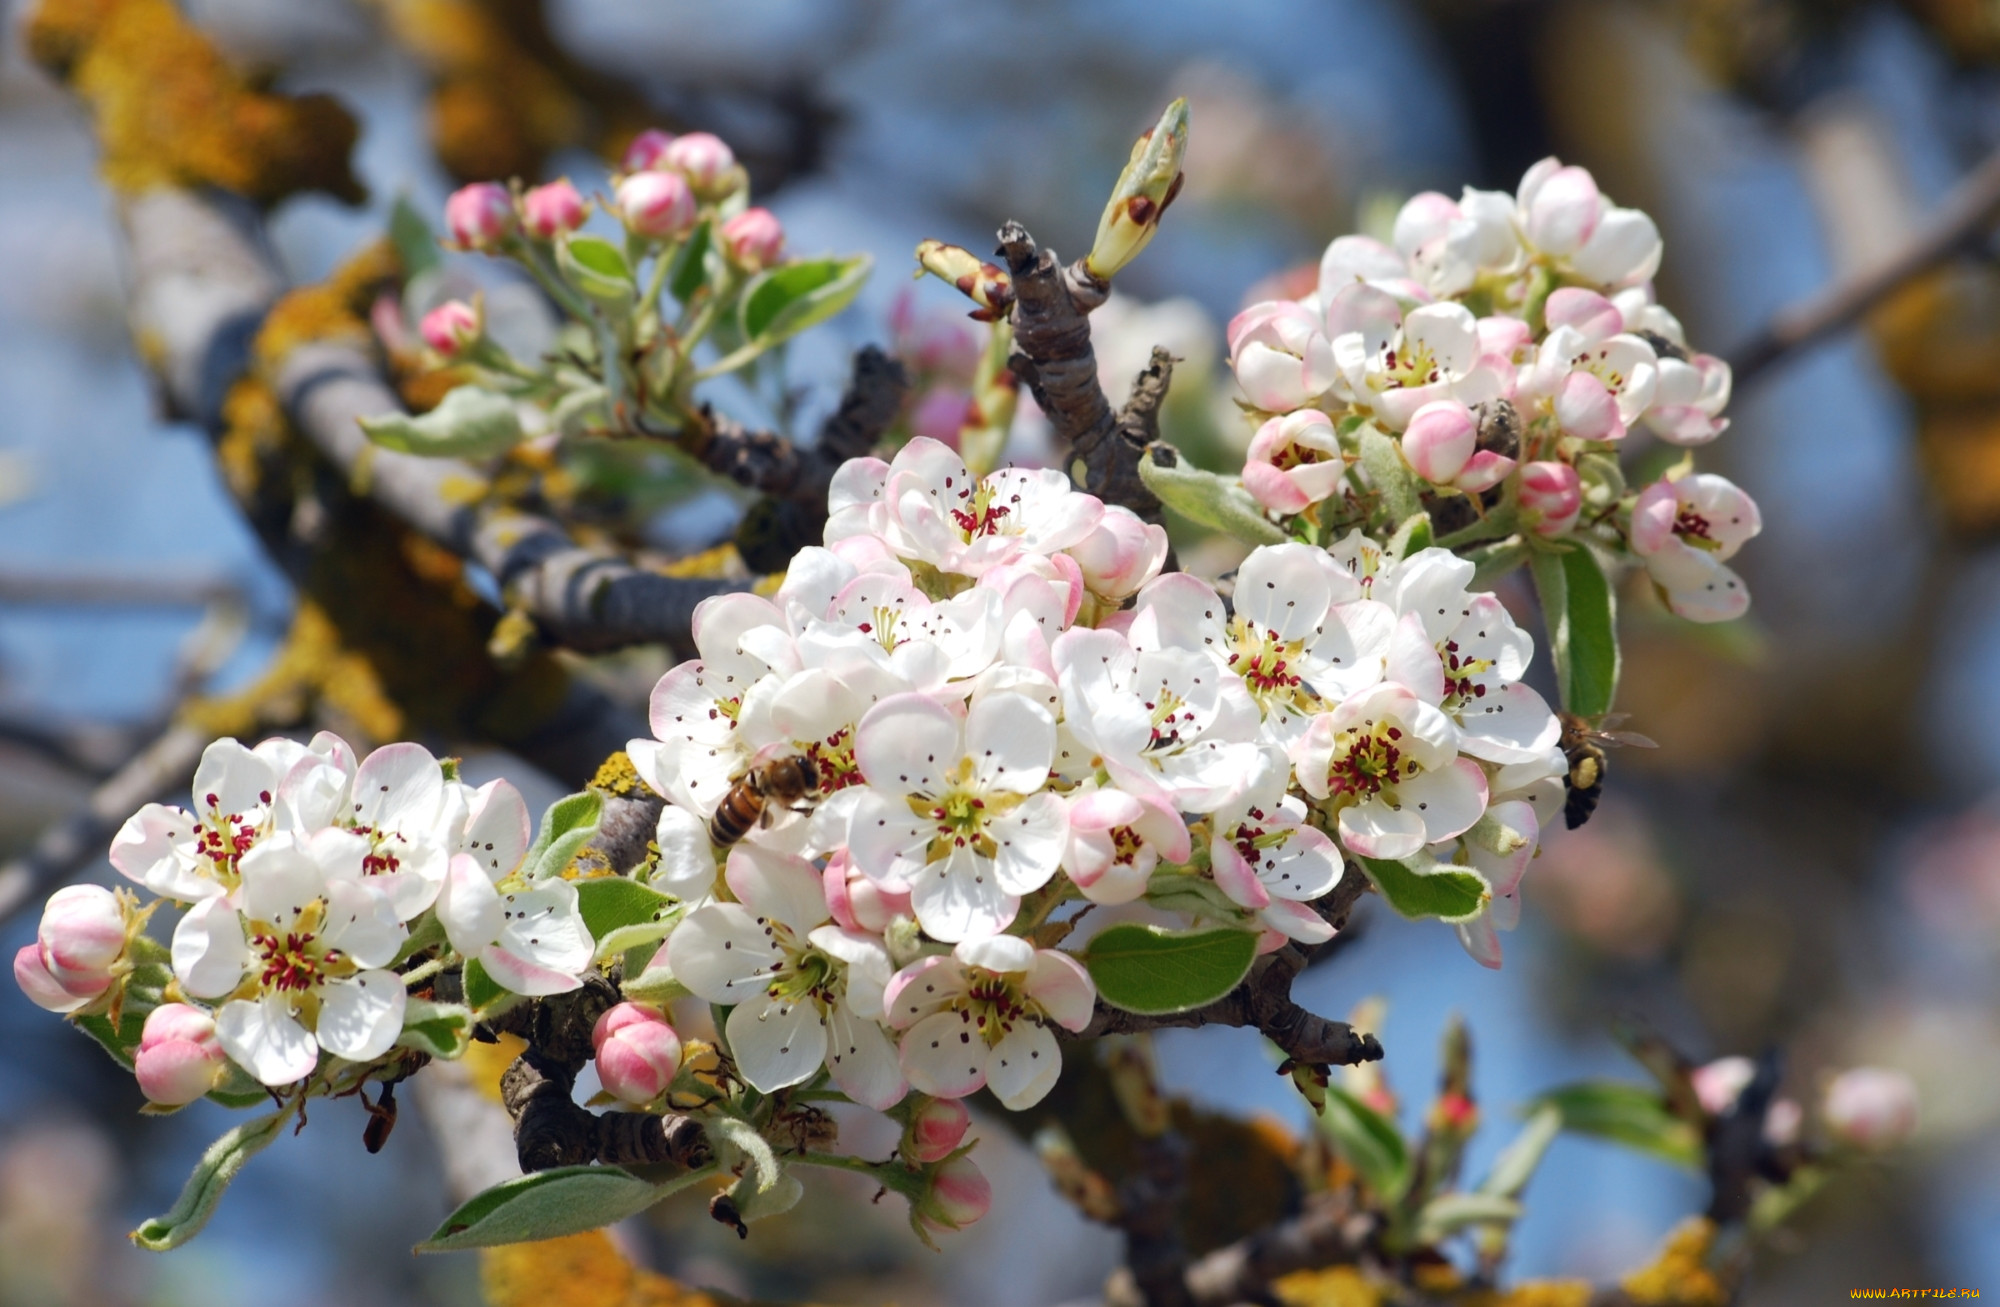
(440, 1029)
(566, 827)
(690, 270)
(1382, 460)
(1152, 971)
(483, 994)
(204, 1187)
(416, 245)
(1217, 502)
(1493, 561)
(1580, 613)
(1369, 1141)
(1447, 1214)
(469, 423)
(782, 302)
(621, 913)
(1449, 893)
(1631, 1115)
(597, 268)
(1412, 535)
(549, 1204)
(655, 985)
(1517, 1162)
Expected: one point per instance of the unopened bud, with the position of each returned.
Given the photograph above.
(706, 161)
(656, 204)
(638, 1053)
(479, 216)
(959, 1195)
(1440, 439)
(452, 326)
(983, 283)
(1121, 554)
(753, 240)
(1871, 1107)
(550, 211)
(1151, 180)
(82, 935)
(935, 1131)
(1718, 1084)
(646, 151)
(1554, 494)
(179, 1057)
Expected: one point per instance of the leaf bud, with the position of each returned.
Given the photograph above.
(1151, 180)
(985, 284)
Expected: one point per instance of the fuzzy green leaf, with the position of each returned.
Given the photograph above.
(440, 1029)
(1449, 893)
(566, 827)
(1627, 1114)
(597, 268)
(784, 301)
(1382, 460)
(416, 244)
(205, 1185)
(1580, 615)
(1152, 971)
(1517, 1162)
(690, 269)
(621, 913)
(1369, 1141)
(468, 423)
(549, 1204)
(1217, 502)
(1449, 1213)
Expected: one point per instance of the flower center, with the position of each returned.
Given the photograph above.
(1297, 455)
(1125, 845)
(1412, 365)
(1251, 839)
(981, 516)
(291, 959)
(803, 973)
(1367, 762)
(1694, 528)
(1461, 673)
(222, 838)
(996, 1006)
(834, 756)
(1597, 364)
(1170, 716)
(1269, 667)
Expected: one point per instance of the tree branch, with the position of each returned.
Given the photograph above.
(1972, 206)
(1054, 356)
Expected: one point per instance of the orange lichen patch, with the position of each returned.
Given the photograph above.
(486, 1062)
(170, 110)
(581, 1270)
(1939, 336)
(503, 94)
(335, 309)
(1960, 447)
(1336, 1286)
(1680, 1276)
(1546, 1293)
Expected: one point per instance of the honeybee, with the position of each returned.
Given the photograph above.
(1583, 745)
(790, 782)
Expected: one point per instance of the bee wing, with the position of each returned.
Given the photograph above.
(1632, 738)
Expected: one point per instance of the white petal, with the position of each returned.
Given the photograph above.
(233, 779)
(1024, 1066)
(265, 1039)
(1510, 723)
(863, 1061)
(779, 886)
(922, 988)
(1375, 830)
(1059, 983)
(469, 907)
(279, 880)
(497, 828)
(359, 1018)
(1284, 588)
(1296, 921)
(775, 1043)
(1302, 868)
(399, 787)
(362, 923)
(867, 963)
(544, 927)
(721, 953)
(209, 950)
(1030, 839)
(686, 868)
(944, 1055)
(156, 848)
(1010, 742)
(887, 840)
(960, 898)
(518, 975)
(906, 743)
(1448, 800)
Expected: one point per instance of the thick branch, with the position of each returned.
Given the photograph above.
(1966, 213)
(1262, 1002)
(165, 764)
(1327, 1233)
(1053, 354)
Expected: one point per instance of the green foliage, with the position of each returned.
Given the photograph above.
(470, 422)
(205, 1185)
(1219, 503)
(416, 244)
(784, 301)
(623, 914)
(566, 827)
(1627, 1114)
(1414, 534)
(550, 1204)
(1449, 893)
(1517, 1162)
(598, 268)
(1149, 970)
(690, 271)
(1368, 1141)
(1382, 459)
(1581, 615)
(441, 1029)
(1447, 1214)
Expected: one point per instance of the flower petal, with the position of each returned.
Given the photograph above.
(362, 923)
(359, 1018)
(265, 1039)
(209, 951)
(721, 953)
(777, 1043)
(863, 1061)
(960, 897)
(1024, 1066)
(906, 743)
(1059, 983)
(943, 1055)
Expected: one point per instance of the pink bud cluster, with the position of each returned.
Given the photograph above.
(1501, 340)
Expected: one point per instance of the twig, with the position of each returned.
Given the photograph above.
(1054, 356)
(1972, 206)
(119, 591)
(166, 762)
(1327, 1233)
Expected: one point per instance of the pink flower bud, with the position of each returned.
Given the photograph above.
(638, 1053)
(1121, 554)
(656, 204)
(1440, 440)
(1504, 338)
(857, 902)
(754, 239)
(81, 936)
(1554, 493)
(1586, 408)
(1557, 207)
(1590, 313)
(960, 1195)
(549, 211)
(451, 326)
(1719, 1083)
(1871, 1107)
(646, 150)
(32, 975)
(1782, 1123)
(479, 216)
(935, 1130)
(706, 162)
(179, 1056)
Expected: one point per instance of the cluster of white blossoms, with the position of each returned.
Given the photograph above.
(1005, 708)
(305, 875)
(1511, 346)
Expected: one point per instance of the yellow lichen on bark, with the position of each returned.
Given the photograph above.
(618, 776)
(170, 111)
(1680, 1276)
(582, 1270)
(1335, 1286)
